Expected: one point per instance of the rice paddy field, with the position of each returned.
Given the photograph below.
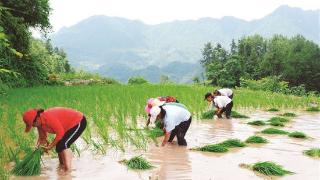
(116, 131)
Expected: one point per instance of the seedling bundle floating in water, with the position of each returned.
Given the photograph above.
(221, 147)
(256, 139)
(257, 123)
(138, 162)
(314, 152)
(297, 134)
(269, 168)
(313, 109)
(30, 165)
(230, 143)
(288, 114)
(273, 131)
(273, 109)
(211, 113)
(235, 114)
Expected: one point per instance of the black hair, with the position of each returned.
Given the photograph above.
(162, 112)
(39, 112)
(208, 94)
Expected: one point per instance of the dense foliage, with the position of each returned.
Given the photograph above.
(290, 62)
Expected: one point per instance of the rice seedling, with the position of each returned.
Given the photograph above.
(218, 148)
(314, 152)
(273, 131)
(276, 122)
(30, 165)
(313, 109)
(207, 115)
(297, 134)
(289, 114)
(270, 169)
(138, 162)
(281, 119)
(256, 139)
(273, 109)
(154, 132)
(235, 114)
(257, 123)
(230, 143)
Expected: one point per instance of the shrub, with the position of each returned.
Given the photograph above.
(137, 81)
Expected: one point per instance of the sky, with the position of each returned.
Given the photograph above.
(69, 12)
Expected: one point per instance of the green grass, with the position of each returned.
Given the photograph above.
(270, 169)
(314, 152)
(276, 122)
(155, 132)
(207, 115)
(273, 109)
(212, 148)
(30, 165)
(273, 131)
(138, 162)
(289, 114)
(313, 109)
(235, 114)
(257, 123)
(297, 134)
(256, 139)
(230, 143)
(281, 119)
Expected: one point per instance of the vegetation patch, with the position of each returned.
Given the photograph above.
(276, 122)
(313, 109)
(230, 143)
(207, 115)
(256, 139)
(30, 165)
(298, 134)
(218, 148)
(155, 132)
(273, 109)
(270, 169)
(281, 119)
(138, 162)
(273, 131)
(289, 114)
(235, 114)
(257, 123)
(314, 152)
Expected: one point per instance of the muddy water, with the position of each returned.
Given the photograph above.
(174, 162)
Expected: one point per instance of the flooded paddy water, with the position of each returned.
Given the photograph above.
(174, 162)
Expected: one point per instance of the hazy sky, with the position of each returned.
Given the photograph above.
(69, 12)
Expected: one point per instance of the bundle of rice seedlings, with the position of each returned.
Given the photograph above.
(257, 123)
(155, 132)
(138, 162)
(273, 131)
(235, 114)
(297, 134)
(30, 164)
(212, 148)
(313, 109)
(256, 139)
(207, 115)
(273, 109)
(281, 119)
(270, 169)
(230, 143)
(289, 114)
(276, 122)
(314, 152)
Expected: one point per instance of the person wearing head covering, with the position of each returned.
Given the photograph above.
(67, 125)
(224, 92)
(222, 103)
(176, 120)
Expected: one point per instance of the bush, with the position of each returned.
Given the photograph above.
(271, 83)
(137, 81)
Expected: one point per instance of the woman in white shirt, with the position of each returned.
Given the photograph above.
(176, 119)
(222, 103)
(224, 92)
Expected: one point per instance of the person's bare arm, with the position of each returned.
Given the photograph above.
(148, 121)
(42, 139)
(166, 138)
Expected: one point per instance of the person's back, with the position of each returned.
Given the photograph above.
(221, 101)
(226, 92)
(174, 116)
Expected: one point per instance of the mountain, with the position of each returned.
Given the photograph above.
(121, 48)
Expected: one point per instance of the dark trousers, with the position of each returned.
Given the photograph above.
(180, 131)
(227, 109)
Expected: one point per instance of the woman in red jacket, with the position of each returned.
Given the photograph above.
(67, 124)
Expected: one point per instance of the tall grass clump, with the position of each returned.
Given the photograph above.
(313, 109)
(297, 134)
(289, 114)
(30, 165)
(138, 162)
(273, 109)
(256, 139)
(230, 143)
(270, 169)
(257, 123)
(314, 152)
(273, 131)
(235, 114)
(218, 148)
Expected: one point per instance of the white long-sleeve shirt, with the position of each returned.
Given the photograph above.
(221, 101)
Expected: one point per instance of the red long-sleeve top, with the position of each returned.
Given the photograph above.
(57, 121)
